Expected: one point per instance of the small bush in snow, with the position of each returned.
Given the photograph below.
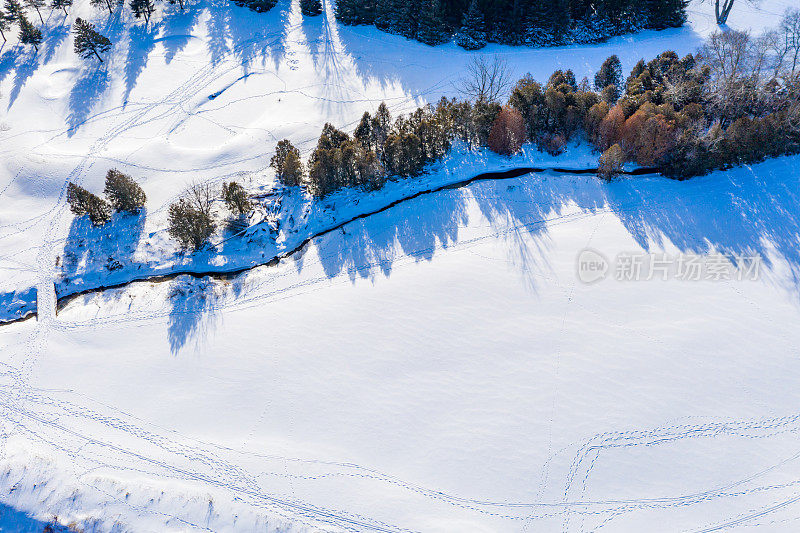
(123, 193)
(190, 220)
(553, 143)
(236, 198)
(82, 202)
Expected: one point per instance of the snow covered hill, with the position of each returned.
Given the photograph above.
(438, 366)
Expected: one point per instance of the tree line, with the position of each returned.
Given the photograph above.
(88, 42)
(473, 23)
(735, 101)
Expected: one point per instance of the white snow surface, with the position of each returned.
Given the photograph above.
(434, 367)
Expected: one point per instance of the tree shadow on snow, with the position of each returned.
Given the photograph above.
(217, 27)
(178, 26)
(142, 41)
(106, 251)
(85, 94)
(314, 34)
(54, 36)
(514, 210)
(193, 312)
(743, 212)
(25, 65)
(740, 213)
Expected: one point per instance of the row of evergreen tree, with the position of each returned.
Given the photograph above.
(88, 41)
(672, 114)
(531, 22)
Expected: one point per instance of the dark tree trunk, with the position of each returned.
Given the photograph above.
(722, 14)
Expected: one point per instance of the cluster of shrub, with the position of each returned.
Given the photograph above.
(191, 217)
(516, 22)
(122, 194)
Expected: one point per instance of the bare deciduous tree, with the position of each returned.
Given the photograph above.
(190, 219)
(486, 80)
(722, 9)
(790, 31)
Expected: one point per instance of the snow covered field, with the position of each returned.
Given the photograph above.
(435, 367)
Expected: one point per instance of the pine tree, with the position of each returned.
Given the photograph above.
(101, 4)
(89, 42)
(236, 199)
(190, 221)
(431, 29)
(13, 10)
(61, 4)
(381, 127)
(539, 25)
(259, 6)
(384, 15)
(36, 4)
(311, 8)
(663, 14)
(123, 193)
(287, 164)
(346, 11)
(28, 33)
(472, 35)
(143, 8)
(82, 202)
(560, 21)
(610, 75)
(405, 18)
(5, 25)
(366, 14)
(363, 132)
